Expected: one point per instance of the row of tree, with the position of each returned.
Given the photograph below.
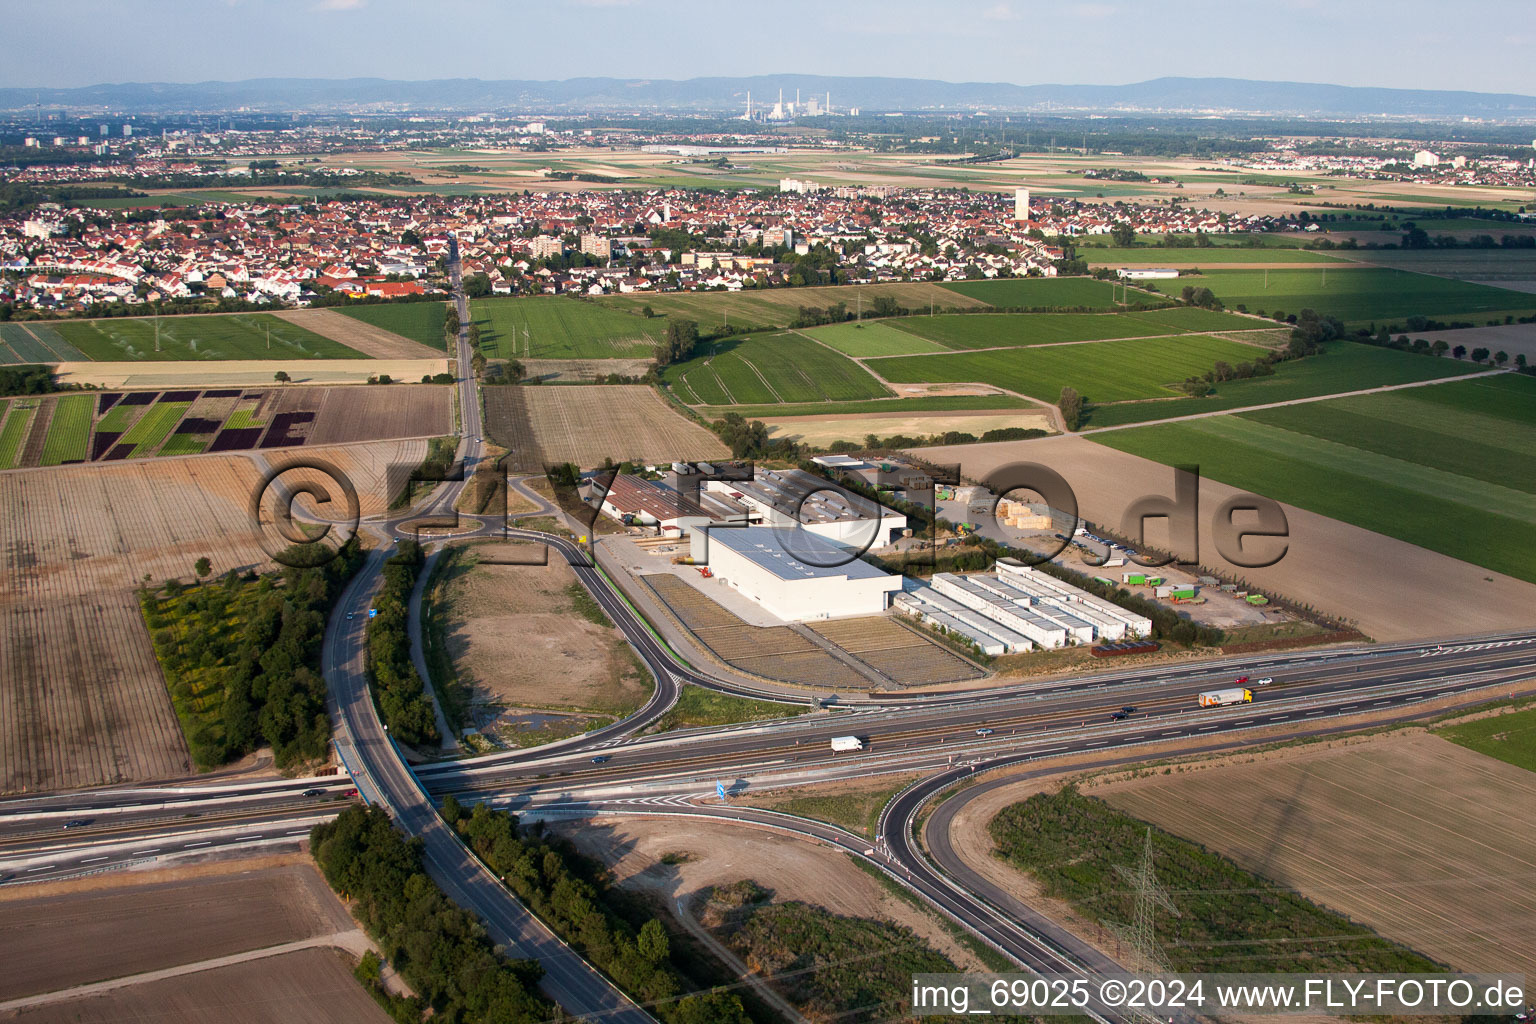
(252, 644)
(438, 947)
(27, 380)
(397, 686)
(577, 903)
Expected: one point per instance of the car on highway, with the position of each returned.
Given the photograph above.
(1129, 709)
(1240, 681)
(983, 732)
(350, 792)
(77, 822)
(601, 759)
(313, 792)
(1263, 681)
(1119, 716)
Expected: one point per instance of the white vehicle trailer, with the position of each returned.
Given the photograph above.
(842, 744)
(1231, 695)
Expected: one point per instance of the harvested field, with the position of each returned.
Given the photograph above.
(517, 640)
(58, 941)
(581, 371)
(1342, 570)
(823, 430)
(1423, 840)
(244, 373)
(378, 413)
(356, 334)
(907, 658)
(584, 425)
(773, 652)
(84, 703)
(310, 986)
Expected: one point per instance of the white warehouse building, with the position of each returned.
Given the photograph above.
(796, 575)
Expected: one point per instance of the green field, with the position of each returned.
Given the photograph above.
(184, 444)
(777, 307)
(214, 336)
(1508, 737)
(769, 368)
(34, 342)
(1453, 473)
(996, 330)
(1357, 294)
(1193, 257)
(69, 434)
(1049, 292)
(18, 417)
(562, 327)
(893, 406)
(1106, 371)
(153, 427)
(1343, 366)
(418, 321)
(872, 338)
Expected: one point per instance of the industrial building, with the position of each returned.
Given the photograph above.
(1016, 609)
(796, 575)
(795, 498)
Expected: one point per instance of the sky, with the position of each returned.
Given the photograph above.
(1478, 45)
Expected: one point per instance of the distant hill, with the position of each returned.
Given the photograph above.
(1162, 95)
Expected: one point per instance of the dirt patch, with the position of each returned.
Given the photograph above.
(583, 370)
(823, 430)
(518, 642)
(1391, 590)
(711, 853)
(380, 413)
(357, 335)
(310, 986)
(1425, 841)
(58, 941)
(547, 425)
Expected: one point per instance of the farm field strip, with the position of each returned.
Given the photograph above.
(1060, 292)
(34, 342)
(18, 419)
(421, 322)
(872, 338)
(1103, 372)
(154, 427)
(559, 327)
(1159, 256)
(778, 307)
(585, 424)
(369, 337)
(69, 433)
(199, 336)
(1343, 366)
(1356, 293)
(958, 333)
(883, 406)
(770, 369)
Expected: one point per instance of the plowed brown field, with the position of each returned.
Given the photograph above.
(356, 334)
(546, 425)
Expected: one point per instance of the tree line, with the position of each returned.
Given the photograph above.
(439, 948)
(398, 689)
(242, 657)
(574, 899)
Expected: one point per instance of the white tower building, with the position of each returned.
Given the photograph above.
(1021, 204)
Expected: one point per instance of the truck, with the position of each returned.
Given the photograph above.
(842, 744)
(1231, 695)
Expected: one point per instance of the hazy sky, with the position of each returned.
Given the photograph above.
(1481, 45)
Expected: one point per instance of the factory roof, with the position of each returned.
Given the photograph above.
(792, 554)
(635, 494)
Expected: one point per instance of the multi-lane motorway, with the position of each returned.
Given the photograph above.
(952, 735)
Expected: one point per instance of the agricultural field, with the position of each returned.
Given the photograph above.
(13, 429)
(780, 367)
(562, 327)
(1106, 371)
(1002, 330)
(872, 338)
(1511, 268)
(34, 342)
(1158, 256)
(370, 336)
(69, 432)
(120, 926)
(1068, 293)
(1343, 366)
(199, 336)
(112, 425)
(822, 431)
(778, 307)
(421, 322)
(1357, 294)
(1506, 734)
(1447, 467)
(1375, 828)
(585, 425)
(84, 702)
(906, 657)
(882, 406)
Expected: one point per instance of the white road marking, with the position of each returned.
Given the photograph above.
(189, 846)
(92, 860)
(45, 867)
